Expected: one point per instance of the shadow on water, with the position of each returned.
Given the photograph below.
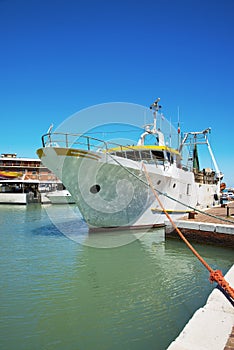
(77, 231)
(47, 230)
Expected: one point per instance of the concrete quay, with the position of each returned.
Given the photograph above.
(212, 326)
(207, 229)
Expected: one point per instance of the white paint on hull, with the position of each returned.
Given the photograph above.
(122, 198)
(13, 198)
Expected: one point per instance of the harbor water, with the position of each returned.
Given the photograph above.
(63, 288)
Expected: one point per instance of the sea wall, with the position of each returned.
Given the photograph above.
(208, 233)
(211, 326)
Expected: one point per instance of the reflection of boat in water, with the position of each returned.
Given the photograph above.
(108, 182)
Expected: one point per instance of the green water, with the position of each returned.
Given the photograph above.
(63, 295)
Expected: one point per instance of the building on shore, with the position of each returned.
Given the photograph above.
(26, 180)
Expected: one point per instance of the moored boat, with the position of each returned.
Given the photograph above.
(108, 181)
(10, 175)
(25, 180)
(60, 197)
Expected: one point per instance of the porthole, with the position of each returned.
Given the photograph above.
(174, 185)
(159, 181)
(95, 189)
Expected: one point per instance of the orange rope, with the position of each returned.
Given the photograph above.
(215, 275)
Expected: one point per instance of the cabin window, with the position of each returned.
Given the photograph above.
(146, 155)
(159, 181)
(137, 155)
(158, 155)
(120, 154)
(134, 155)
(174, 185)
(130, 155)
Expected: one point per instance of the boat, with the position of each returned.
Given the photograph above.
(60, 197)
(19, 192)
(25, 180)
(10, 174)
(108, 180)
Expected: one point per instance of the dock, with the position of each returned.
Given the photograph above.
(203, 228)
(212, 326)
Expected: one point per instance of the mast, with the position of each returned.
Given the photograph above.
(195, 136)
(156, 107)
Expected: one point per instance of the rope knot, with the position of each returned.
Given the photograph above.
(217, 276)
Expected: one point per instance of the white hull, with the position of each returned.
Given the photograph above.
(44, 199)
(14, 198)
(60, 197)
(113, 191)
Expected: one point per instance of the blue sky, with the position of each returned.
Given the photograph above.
(58, 57)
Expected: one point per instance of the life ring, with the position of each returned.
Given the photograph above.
(222, 186)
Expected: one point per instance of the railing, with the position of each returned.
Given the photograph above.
(80, 141)
(96, 145)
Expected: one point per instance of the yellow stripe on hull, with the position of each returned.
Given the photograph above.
(159, 210)
(68, 152)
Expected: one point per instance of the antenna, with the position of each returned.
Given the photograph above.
(178, 125)
(170, 132)
(155, 106)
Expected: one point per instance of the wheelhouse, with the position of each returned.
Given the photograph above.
(159, 155)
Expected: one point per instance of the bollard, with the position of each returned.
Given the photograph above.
(191, 214)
